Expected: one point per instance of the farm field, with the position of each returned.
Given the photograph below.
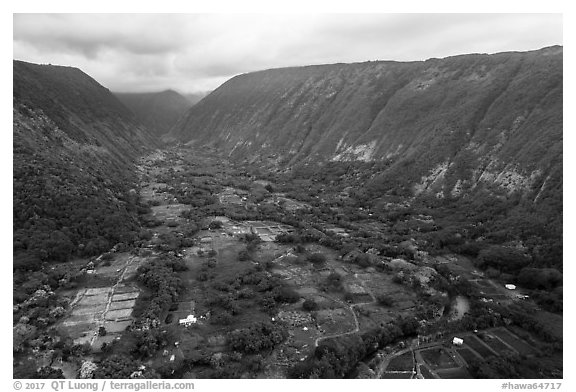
(438, 358)
(467, 354)
(475, 344)
(235, 275)
(404, 362)
(519, 345)
(495, 344)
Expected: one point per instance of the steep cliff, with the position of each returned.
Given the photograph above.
(74, 145)
(442, 125)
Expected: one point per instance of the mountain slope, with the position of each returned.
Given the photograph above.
(158, 111)
(194, 98)
(443, 125)
(74, 145)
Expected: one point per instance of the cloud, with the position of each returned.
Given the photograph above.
(195, 52)
(90, 33)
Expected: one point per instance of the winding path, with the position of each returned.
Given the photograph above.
(351, 309)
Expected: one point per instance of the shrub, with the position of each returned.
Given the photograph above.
(244, 255)
(215, 224)
(288, 295)
(317, 258)
(540, 278)
(363, 260)
(309, 305)
(503, 258)
(258, 337)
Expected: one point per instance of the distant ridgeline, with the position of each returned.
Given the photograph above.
(478, 137)
(158, 111)
(74, 145)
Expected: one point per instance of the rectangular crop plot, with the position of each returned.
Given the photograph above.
(125, 296)
(122, 304)
(438, 358)
(116, 326)
(477, 346)
(467, 354)
(78, 319)
(519, 345)
(122, 289)
(98, 290)
(497, 345)
(88, 310)
(404, 362)
(94, 300)
(118, 314)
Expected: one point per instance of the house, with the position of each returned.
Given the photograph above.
(457, 341)
(191, 319)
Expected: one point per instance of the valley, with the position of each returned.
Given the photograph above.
(250, 256)
(371, 220)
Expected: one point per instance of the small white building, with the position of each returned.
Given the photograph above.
(457, 341)
(510, 286)
(191, 319)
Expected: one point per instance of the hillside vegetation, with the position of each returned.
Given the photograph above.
(474, 118)
(74, 144)
(476, 138)
(158, 111)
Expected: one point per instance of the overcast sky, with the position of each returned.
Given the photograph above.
(198, 52)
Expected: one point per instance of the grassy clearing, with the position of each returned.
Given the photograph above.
(467, 354)
(476, 345)
(404, 362)
(496, 344)
(438, 358)
(335, 321)
(519, 345)
(373, 316)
